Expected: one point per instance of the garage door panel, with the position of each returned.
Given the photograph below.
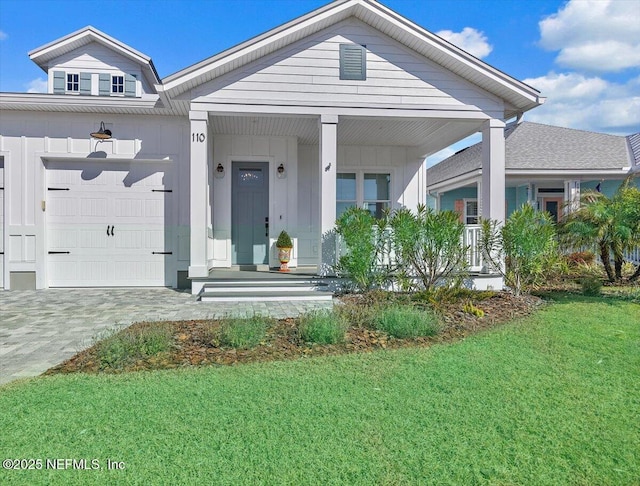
(110, 221)
(134, 272)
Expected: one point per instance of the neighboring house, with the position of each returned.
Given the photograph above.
(545, 166)
(206, 166)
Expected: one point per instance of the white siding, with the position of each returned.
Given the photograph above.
(309, 71)
(407, 185)
(27, 139)
(283, 193)
(96, 58)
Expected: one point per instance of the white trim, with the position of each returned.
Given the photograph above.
(463, 112)
(41, 55)
(394, 25)
(360, 172)
(465, 215)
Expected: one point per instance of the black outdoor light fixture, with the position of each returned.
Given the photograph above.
(220, 171)
(281, 172)
(102, 134)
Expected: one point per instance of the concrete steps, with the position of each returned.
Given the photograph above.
(265, 290)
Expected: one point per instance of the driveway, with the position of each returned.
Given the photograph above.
(41, 328)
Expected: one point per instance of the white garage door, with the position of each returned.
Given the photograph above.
(106, 224)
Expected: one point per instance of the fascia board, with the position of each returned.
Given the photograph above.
(174, 81)
(87, 35)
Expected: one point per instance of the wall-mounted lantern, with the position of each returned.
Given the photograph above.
(281, 172)
(219, 171)
(102, 134)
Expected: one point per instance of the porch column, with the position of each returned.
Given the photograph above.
(199, 185)
(571, 196)
(493, 168)
(328, 158)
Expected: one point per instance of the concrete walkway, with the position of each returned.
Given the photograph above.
(41, 328)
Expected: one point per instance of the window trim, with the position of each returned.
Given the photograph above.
(466, 215)
(117, 81)
(360, 174)
(75, 82)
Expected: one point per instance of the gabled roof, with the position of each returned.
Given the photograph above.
(42, 55)
(545, 148)
(519, 97)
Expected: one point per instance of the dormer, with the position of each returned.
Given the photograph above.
(90, 63)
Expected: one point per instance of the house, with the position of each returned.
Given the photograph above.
(116, 177)
(545, 166)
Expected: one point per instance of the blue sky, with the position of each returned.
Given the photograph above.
(584, 55)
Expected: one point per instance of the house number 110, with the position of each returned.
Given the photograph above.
(198, 137)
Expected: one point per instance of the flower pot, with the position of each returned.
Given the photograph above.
(284, 255)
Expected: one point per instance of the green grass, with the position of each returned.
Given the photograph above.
(402, 321)
(115, 348)
(322, 327)
(550, 400)
(243, 332)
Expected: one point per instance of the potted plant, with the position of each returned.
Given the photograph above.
(284, 245)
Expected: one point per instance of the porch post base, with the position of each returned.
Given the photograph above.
(198, 271)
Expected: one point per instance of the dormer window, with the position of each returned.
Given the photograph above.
(73, 83)
(117, 84)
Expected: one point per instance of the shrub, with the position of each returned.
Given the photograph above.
(116, 348)
(284, 240)
(428, 246)
(243, 332)
(406, 322)
(322, 327)
(591, 286)
(523, 250)
(469, 308)
(367, 249)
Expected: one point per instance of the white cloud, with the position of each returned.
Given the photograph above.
(588, 103)
(38, 85)
(471, 40)
(3, 35)
(595, 35)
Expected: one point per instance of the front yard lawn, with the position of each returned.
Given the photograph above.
(550, 399)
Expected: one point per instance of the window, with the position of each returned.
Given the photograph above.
(369, 191)
(470, 211)
(353, 62)
(117, 84)
(376, 193)
(345, 192)
(73, 82)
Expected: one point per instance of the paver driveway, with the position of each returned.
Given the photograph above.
(41, 328)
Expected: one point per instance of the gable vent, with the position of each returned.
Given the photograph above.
(353, 62)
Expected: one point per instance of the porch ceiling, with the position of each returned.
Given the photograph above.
(431, 133)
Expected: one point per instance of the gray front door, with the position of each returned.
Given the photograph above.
(250, 213)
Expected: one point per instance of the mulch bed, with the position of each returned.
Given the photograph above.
(193, 345)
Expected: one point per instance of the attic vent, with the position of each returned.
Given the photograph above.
(353, 62)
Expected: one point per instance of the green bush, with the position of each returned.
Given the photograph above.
(523, 250)
(116, 348)
(322, 327)
(284, 240)
(243, 332)
(469, 308)
(428, 247)
(406, 322)
(367, 248)
(591, 286)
